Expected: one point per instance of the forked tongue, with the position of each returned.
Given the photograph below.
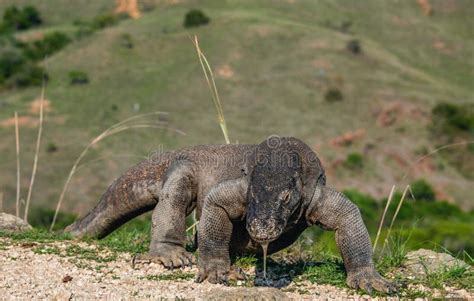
(264, 248)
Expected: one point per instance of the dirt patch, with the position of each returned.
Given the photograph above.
(425, 7)
(447, 6)
(441, 46)
(225, 71)
(318, 44)
(321, 64)
(23, 121)
(263, 30)
(401, 22)
(129, 7)
(348, 138)
(36, 105)
(394, 111)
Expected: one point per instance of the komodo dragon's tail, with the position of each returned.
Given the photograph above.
(132, 194)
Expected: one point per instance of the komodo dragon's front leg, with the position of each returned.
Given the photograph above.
(168, 227)
(224, 203)
(333, 211)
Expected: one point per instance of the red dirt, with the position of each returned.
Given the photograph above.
(129, 7)
(347, 138)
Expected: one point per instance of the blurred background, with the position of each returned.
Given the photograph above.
(374, 87)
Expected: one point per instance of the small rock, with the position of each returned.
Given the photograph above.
(11, 223)
(67, 278)
(421, 261)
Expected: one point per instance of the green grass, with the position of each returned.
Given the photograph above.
(175, 276)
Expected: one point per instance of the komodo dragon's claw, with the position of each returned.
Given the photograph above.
(177, 259)
(369, 281)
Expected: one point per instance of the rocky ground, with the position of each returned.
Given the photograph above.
(67, 270)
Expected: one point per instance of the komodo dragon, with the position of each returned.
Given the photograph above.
(245, 196)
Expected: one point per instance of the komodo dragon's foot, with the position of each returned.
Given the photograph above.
(170, 256)
(368, 280)
(219, 273)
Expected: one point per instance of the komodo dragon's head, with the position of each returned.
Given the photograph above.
(274, 191)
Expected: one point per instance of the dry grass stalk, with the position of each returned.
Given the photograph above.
(1, 201)
(38, 144)
(17, 140)
(206, 68)
(383, 217)
(400, 203)
(114, 129)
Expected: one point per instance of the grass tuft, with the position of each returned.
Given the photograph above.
(175, 276)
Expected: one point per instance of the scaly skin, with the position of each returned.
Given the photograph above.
(244, 196)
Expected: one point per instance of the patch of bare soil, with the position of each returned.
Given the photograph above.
(23, 121)
(129, 7)
(35, 106)
(391, 113)
(348, 138)
(225, 71)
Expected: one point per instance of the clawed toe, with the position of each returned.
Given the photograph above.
(370, 282)
(169, 257)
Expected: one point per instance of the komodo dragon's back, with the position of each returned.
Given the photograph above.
(137, 190)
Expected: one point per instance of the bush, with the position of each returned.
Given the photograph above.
(195, 18)
(454, 116)
(20, 19)
(102, 21)
(29, 75)
(333, 94)
(51, 148)
(11, 61)
(354, 161)
(423, 191)
(51, 43)
(78, 78)
(126, 40)
(42, 218)
(354, 46)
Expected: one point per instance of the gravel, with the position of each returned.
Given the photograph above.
(25, 274)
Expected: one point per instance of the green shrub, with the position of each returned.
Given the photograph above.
(51, 43)
(11, 61)
(29, 75)
(126, 41)
(40, 217)
(194, 18)
(454, 116)
(103, 21)
(78, 78)
(423, 191)
(333, 94)
(83, 31)
(354, 46)
(354, 161)
(51, 147)
(20, 19)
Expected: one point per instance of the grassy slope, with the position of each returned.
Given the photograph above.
(277, 53)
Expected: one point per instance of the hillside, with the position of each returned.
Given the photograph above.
(274, 63)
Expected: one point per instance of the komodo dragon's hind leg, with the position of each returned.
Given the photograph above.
(168, 227)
